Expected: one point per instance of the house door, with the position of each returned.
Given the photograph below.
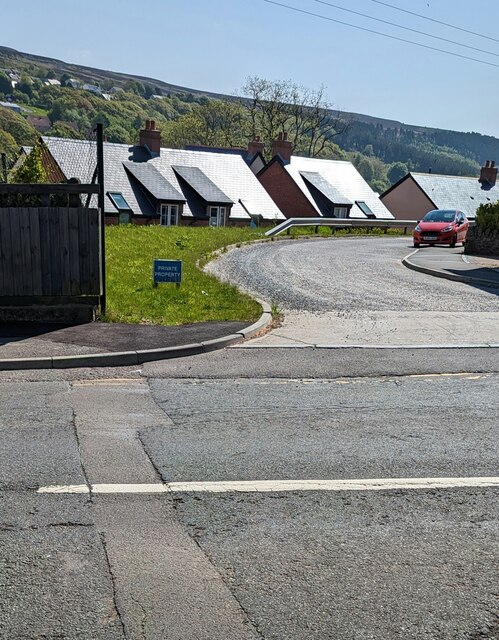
(217, 216)
(169, 215)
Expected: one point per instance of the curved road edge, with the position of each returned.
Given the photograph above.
(439, 273)
(130, 358)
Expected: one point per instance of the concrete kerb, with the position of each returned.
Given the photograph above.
(130, 358)
(447, 276)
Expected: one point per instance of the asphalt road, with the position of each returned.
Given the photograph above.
(384, 565)
(356, 291)
(103, 559)
(344, 275)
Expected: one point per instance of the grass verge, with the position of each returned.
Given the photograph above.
(131, 296)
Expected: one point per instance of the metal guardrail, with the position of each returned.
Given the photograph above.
(366, 223)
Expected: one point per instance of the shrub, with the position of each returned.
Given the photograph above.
(487, 216)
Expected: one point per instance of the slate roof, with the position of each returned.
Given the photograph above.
(228, 172)
(341, 176)
(157, 185)
(202, 185)
(327, 189)
(456, 192)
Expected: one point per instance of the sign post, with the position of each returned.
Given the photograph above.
(166, 271)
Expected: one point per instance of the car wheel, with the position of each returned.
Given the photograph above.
(453, 241)
(416, 245)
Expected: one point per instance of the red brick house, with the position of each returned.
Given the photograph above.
(314, 187)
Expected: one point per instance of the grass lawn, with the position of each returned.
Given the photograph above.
(131, 296)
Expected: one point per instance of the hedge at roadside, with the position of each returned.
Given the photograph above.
(487, 216)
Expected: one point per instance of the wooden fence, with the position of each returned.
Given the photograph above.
(49, 252)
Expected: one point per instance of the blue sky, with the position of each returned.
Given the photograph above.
(215, 44)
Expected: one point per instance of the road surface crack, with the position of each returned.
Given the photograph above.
(114, 585)
(78, 444)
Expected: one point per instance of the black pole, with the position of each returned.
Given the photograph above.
(100, 180)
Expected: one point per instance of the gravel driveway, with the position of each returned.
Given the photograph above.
(356, 290)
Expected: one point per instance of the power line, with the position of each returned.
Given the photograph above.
(400, 26)
(446, 24)
(379, 33)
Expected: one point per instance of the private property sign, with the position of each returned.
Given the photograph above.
(167, 271)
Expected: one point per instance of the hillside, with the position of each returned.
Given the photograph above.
(382, 149)
(10, 58)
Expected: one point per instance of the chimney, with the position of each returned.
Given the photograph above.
(488, 174)
(255, 146)
(150, 137)
(282, 147)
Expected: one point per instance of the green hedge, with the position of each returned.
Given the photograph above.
(487, 216)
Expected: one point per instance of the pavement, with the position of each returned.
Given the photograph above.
(41, 346)
(453, 264)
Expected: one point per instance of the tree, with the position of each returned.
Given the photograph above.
(134, 86)
(397, 171)
(9, 147)
(219, 123)
(364, 167)
(31, 170)
(17, 126)
(305, 114)
(5, 84)
(25, 85)
(63, 130)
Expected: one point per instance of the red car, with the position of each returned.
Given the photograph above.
(441, 226)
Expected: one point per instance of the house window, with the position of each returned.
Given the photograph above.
(118, 200)
(217, 216)
(340, 212)
(365, 209)
(169, 215)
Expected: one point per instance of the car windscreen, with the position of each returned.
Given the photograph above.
(440, 216)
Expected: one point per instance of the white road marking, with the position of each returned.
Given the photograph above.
(277, 486)
(60, 488)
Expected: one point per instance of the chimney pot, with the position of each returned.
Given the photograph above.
(492, 164)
